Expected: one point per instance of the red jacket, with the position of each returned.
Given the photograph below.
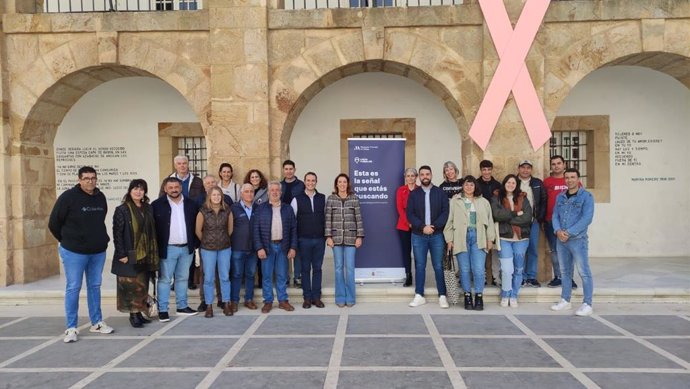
(401, 196)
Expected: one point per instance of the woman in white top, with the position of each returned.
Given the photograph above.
(229, 187)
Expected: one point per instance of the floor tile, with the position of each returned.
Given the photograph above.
(607, 353)
(38, 326)
(4, 320)
(285, 352)
(218, 325)
(180, 352)
(84, 353)
(167, 380)
(386, 324)
(390, 352)
(14, 347)
(39, 380)
(122, 327)
(393, 379)
(299, 325)
(565, 325)
(273, 380)
(677, 347)
(646, 325)
(498, 352)
(513, 380)
(475, 325)
(640, 380)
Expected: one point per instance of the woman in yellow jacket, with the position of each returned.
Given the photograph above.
(470, 234)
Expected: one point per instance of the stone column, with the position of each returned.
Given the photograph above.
(6, 266)
(239, 131)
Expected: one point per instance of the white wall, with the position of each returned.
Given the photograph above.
(647, 216)
(122, 113)
(315, 141)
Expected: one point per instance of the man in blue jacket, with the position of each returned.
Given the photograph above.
(243, 255)
(275, 242)
(175, 217)
(572, 215)
(427, 212)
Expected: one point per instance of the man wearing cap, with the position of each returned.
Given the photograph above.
(534, 188)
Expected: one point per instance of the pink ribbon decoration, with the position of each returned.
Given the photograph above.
(512, 74)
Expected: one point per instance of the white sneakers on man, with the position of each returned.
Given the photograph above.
(102, 328)
(71, 335)
(561, 306)
(584, 310)
(443, 302)
(418, 300)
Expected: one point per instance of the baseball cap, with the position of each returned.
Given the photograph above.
(525, 162)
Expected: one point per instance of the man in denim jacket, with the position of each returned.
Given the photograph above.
(572, 215)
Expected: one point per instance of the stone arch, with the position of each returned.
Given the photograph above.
(451, 77)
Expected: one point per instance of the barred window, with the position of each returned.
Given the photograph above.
(378, 135)
(194, 147)
(574, 147)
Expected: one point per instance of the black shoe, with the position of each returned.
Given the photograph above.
(533, 283)
(142, 318)
(186, 312)
(574, 285)
(408, 279)
(468, 302)
(298, 283)
(163, 317)
(191, 286)
(493, 282)
(134, 321)
(202, 307)
(220, 304)
(479, 302)
(555, 283)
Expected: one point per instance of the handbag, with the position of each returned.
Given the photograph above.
(450, 277)
(151, 303)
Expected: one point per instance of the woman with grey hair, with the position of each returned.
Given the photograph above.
(403, 226)
(452, 184)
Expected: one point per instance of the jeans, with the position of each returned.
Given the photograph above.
(76, 265)
(175, 264)
(512, 256)
(406, 244)
(472, 260)
(551, 239)
(311, 251)
(221, 259)
(421, 245)
(532, 252)
(276, 260)
(243, 262)
(344, 258)
(297, 266)
(575, 252)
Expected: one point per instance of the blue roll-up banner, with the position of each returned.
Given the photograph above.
(376, 172)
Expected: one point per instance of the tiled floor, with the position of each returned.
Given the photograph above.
(362, 347)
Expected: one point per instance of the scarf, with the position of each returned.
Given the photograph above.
(144, 234)
(517, 207)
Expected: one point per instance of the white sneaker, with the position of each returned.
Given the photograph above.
(504, 302)
(417, 301)
(513, 302)
(71, 335)
(584, 310)
(443, 302)
(102, 328)
(561, 306)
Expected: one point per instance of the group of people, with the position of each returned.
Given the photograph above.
(485, 223)
(262, 227)
(234, 228)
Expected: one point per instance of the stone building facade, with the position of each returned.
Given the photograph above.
(249, 67)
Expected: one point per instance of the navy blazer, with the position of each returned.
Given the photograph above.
(262, 218)
(161, 215)
(439, 209)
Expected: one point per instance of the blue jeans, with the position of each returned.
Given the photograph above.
(472, 261)
(210, 260)
(275, 260)
(243, 262)
(344, 258)
(512, 257)
(311, 251)
(421, 245)
(575, 252)
(175, 264)
(297, 267)
(76, 265)
(532, 253)
(551, 239)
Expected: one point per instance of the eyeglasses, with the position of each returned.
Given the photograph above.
(91, 179)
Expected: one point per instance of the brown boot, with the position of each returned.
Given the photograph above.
(209, 311)
(267, 308)
(286, 306)
(233, 307)
(227, 309)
